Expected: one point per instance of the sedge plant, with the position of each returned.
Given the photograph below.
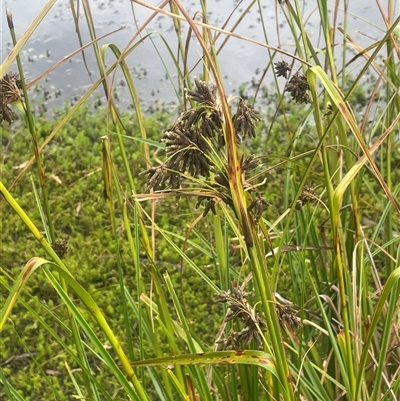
(287, 224)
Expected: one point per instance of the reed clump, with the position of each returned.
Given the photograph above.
(259, 261)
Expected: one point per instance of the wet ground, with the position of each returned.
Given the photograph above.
(150, 64)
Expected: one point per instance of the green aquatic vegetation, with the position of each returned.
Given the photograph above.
(243, 249)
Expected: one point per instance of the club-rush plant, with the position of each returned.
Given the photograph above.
(259, 260)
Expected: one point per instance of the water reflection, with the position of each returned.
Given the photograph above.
(151, 64)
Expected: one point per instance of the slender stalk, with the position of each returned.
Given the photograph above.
(32, 130)
(339, 265)
(109, 181)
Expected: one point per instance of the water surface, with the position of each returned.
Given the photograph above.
(150, 64)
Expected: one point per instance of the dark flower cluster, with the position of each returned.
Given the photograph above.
(60, 247)
(297, 86)
(239, 308)
(187, 143)
(203, 94)
(194, 137)
(244, 121)
(282, 69)
(254, 325)
(206, 114)
(258, 206)
(307, 195)
(186, 150)
(288, 316)
(10, 90)
(249, 163)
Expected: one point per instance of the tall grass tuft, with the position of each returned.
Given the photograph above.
(277, 224)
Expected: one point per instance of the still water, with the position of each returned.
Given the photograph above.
(150, 64)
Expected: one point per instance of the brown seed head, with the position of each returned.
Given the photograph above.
(60, 248)
(244, 120)
(10, 90)
(9, 19)
(203, 93)
(298, 87)
(282, 69)
(307, 195)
